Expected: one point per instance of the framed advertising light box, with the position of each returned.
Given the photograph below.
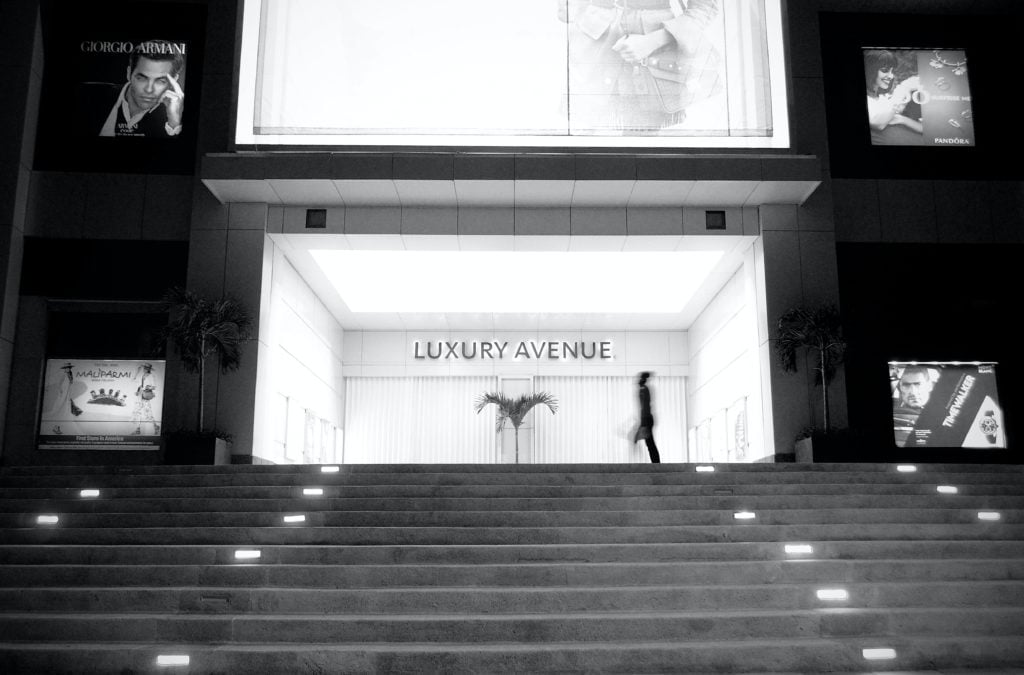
(946, 404)
(544, 73)
(101, 405)
(920, 96)
(120, 87)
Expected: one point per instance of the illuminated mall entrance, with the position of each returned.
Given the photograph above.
(363, 365)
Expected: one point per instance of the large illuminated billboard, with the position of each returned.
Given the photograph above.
(94, 404)
(945, 404)
(550, 73)
(918, 97)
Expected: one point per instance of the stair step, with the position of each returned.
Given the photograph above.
(665, 475)
(384, 494)
(298, 554)
(398, 506)
(535, 574)
(991, 655)
(515, 519)
(311, 533)
(590, 626)
(504, 600)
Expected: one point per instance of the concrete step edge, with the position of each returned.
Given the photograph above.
(478, 616)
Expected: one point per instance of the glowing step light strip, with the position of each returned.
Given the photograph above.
(47, 520)
(989, 515)
(947, 489)
(906, 468)
(832, 594)
(295, 519)
(799, 549)
(313, 492)
(330, 469)
(879, 654)
(744, 515)
(89, 493)
(705, 469)
(172, 660)
(247, 554)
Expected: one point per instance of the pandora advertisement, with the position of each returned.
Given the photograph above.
(101, 405)
(533, 72)
(946, 405)
(918, 97)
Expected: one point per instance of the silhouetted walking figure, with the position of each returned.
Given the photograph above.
(646, 428)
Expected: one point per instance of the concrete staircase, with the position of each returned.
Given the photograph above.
(489, 569)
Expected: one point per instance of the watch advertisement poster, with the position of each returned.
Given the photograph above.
(945, 405)
(101, 405)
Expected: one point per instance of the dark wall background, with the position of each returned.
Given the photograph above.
(992, 44)
(102, 269)
(929, 302)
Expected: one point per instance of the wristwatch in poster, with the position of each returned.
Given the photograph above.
(989, 426)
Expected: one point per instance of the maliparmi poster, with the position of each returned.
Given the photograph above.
(91, 404)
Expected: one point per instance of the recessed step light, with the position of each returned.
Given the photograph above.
(947, 489)
(906, 468)
(295, 519)
(172, 660)
(832, 594)
(705, 469)
(47, 520)
(89, 493)
(989, 515)
(247, 554)
(313, 492)
(744, 515)
(330, 469)
(799, 549)
(879, 654)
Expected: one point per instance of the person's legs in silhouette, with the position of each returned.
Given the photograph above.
(652, 449)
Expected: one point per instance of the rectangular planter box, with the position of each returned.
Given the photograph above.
(192, 449)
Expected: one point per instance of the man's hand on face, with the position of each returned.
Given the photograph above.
(174, 101)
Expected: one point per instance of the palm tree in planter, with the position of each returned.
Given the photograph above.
(515, 410)
(817, 332)
(201, 329)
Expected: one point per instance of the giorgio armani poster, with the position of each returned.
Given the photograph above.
(120, 86)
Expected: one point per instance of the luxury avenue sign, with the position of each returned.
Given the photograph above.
(524, 349)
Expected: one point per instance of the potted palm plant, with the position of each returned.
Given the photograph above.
(201, 329)
(818, 333)
(515, 410)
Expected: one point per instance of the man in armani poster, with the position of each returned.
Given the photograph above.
(149, 104)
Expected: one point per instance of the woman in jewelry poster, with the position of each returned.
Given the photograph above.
(918, 97)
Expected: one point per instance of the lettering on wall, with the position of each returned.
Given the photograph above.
(524, 349)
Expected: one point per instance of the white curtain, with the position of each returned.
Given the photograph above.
(410, 420)
(596, 414)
